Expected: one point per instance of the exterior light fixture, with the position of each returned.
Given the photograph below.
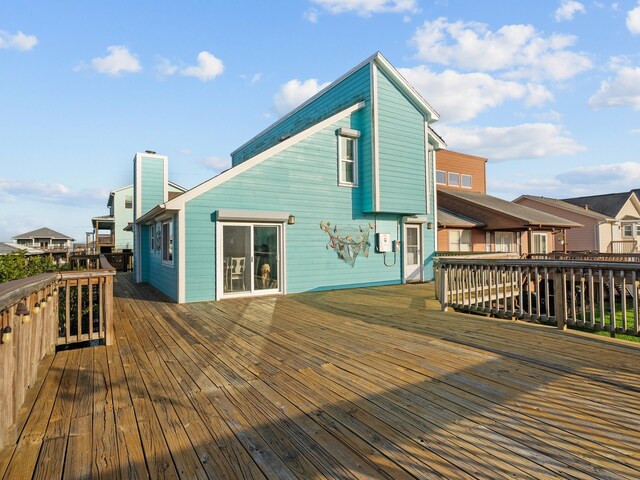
(36, 308)
(7, 334)
(429, 225)
(49, 297)
(43, 302)
(291, 220)
(22, 309)
(55, 292)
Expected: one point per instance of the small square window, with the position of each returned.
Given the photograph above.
(454, 179)
(441, 177)
(628, 231)
(466, 181)
(128, 201)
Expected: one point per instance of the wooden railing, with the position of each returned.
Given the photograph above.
(105, 239)
(591, 295)
(587, 255)
(36, 315)
(120, 261)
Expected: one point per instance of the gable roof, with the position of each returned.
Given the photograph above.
(8, 248)
(528, 216)
(43, 232)
(447, 218)
(608, 204)
(382, 63)
(554, 202)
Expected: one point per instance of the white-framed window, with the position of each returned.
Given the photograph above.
(627, 230)
(167, 242)
(487, 241)
(540, 243)
(441, 177)
(465, 181)
(454, 179)
(347, 160)
(505, 242)
(637, 229)
(128, 201)
(459, 240)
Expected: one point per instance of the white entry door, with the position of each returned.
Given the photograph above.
(412, 253)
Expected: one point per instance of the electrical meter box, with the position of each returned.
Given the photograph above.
(383, 242)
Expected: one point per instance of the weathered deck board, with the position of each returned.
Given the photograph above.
(368, 383)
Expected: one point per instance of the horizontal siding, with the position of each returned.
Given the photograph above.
(152, 183)
(401, 147)
(161, 276)
(303, 180)
(351, 90)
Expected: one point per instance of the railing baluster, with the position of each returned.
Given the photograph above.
(573, 316)
(623, 300)
(67, 310)
(634, 281)
(583, 307)
(612, 302)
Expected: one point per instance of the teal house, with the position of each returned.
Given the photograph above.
(339, 193)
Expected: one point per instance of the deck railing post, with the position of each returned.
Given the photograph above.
(559, 306)
(108, 311)
(444, 283)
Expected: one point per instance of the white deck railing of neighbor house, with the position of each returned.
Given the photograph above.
(595, 295)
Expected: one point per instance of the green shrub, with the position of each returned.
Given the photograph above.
(18, 265)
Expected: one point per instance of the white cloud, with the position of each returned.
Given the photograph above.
(295, 92)
(18, 41)
(518, 50)
(526, 141)
(623, 90)
(311, 15)
(119, 60)
(16, 190)
(462, 96)
(217, 164)
(208, 68)
(366, 8)
(164, 67)
(633, 21)
(252, 79)
(568, 9)
(614, 175)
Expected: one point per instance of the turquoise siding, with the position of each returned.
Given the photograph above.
(144, 258)
(303, 180)
(152, 183)
(163, 277)
(123, 216)
(349, 91)
(401, 148)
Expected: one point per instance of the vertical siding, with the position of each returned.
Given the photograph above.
(401, 146)
(302, 180)
(351, 90)
(152, 183)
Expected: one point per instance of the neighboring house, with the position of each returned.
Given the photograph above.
(318, 200)
(506, 227)
(469, 220)
(45, 239)
(610, 223)
(110, 232)
(9, 248)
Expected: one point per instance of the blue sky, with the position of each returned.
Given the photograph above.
(548, 90)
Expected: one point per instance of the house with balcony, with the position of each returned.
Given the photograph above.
(339, 193)
(610, 222)
(110, 232)
(469, 220)
(46, 240)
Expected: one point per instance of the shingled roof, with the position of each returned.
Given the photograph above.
(609, 204)
(485, 207)
(447, 218)
(554, 202)
(42, 233)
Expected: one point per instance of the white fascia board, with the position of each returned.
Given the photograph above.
(406, 87)
(179, 202)
(251, 215)
(301, 106)
(436, 140)
(375, 156)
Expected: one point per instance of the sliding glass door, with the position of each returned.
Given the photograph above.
(251, 259)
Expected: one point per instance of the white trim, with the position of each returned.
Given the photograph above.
(251, 216)
(417, 219)
(354, 161)
(179, 202)
(427, 181)
(375, 155)
(348, 132)
(138, 187)
(170, 241)
(137, 257)
(435, 202)
(182, 256)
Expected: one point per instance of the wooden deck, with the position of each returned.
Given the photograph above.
(368, 383)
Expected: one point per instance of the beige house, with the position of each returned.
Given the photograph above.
(610, 223)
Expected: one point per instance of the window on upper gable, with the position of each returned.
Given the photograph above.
(465, 181)
(348, 157)
(441, 177)
(128, 201)
(454, 179)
